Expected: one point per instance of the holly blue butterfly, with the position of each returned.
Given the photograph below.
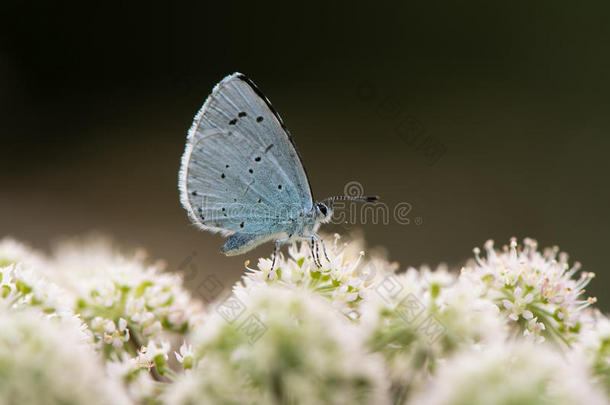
(242, 176)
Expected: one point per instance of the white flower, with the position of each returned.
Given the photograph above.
(518, 305)
(185, 357)
(214, 382)
(516, 373)
(45, 361)
(13, 252)
(438, 279)
(535, 329)
(109, 327)
(594, 345)
(527, 284)
(143, 360)
(419, 319)
(135, 372)
(350, 332)
(149, 300)
(157, 354)
(125, 300)
(22, 286)
(122, 324)
(288, 346)
(345, 281)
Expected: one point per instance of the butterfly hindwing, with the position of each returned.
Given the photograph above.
(239, 243)
(240, 171)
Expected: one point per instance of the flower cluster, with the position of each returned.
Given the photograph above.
(133, 311)
(44, 359)
(13, 252)
(345, 281)
(123, 298)
(419, 318)
(536, 290)
(594, 344)
(515, 373)
(21, 286)
(288, 346)
(89, 324)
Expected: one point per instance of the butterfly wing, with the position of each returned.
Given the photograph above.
(241, 171)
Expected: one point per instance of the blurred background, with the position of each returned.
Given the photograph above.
(490, 120)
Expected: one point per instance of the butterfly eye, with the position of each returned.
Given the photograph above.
(323, 209)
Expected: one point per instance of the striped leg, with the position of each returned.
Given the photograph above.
(314, 252)
(324, 250)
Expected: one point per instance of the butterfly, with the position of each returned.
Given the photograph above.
(242, 176)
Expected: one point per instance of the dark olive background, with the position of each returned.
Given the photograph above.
(510, 101)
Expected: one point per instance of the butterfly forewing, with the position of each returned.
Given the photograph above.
(240, 171)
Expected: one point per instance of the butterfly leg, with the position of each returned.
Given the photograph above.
(318, 253)
(324, 250)
(276, 251)
(314, 251)
(321, 241)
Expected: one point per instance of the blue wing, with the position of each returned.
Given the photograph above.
(241, 171)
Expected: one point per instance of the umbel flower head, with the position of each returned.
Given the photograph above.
(594, 345)
(519, 372)
(419, 318)
(352, 332)
(132, 309)
(271, 344)
(537, 291)
(345, 281)
(46, 361)
(22, 287)
(12, 252)
(126, 301)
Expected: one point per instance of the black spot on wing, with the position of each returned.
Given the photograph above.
(242, 114)
(259, 93)
(263, 97)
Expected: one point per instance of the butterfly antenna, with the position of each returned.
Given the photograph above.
(364, 198)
